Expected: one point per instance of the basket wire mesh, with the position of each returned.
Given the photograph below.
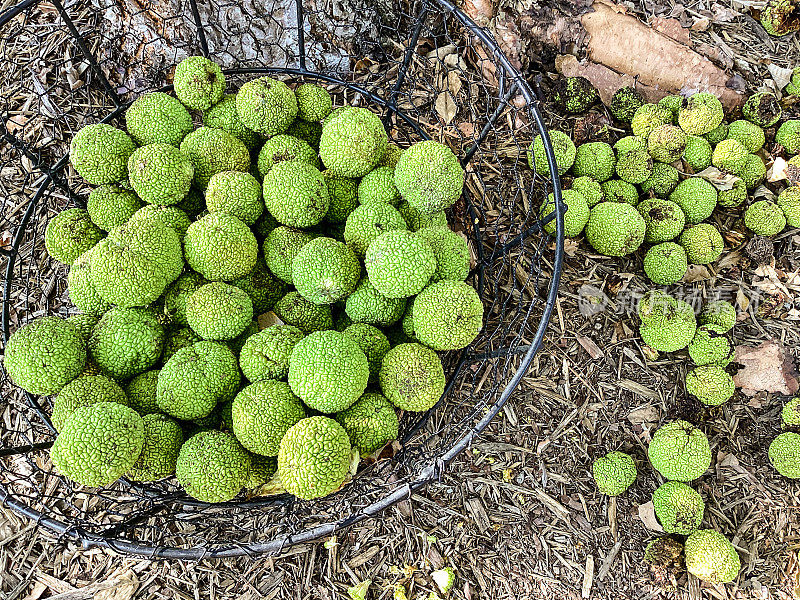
(431, 73)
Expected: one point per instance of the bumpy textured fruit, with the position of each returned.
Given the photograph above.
(157, 118)
(673, 102)
(614, 473)
(343, 192)
(575, 218)
(100, 152)
(711, 557)
(710, 346)
(703, 243)
(789, 202)
(213, 151)
(412, 377)
(262, 286)
(417, 220)
(283, 147)
(448, 315)
(353, 141)
(295, 193)
(729, 155)
(765, 218)
(212, 466)
(195, 378)
(84, 323)
(779, 17)
(265, 355)
(69, 234)
(370, 423)
(671, 329)
(236, 193)
(262, 469)
(237, 343)
(262, 413)
(391, 156)
(655, 306)
(629, 143)
(84, 391)
(615, 229)
(563, 150)
(220, 247)
(451, 251)
(110, 206)
(719, 313)
(178, 293)
(295, 310)
(790, 415)
(664, 220)
(595, 160)
(399, 264)
(325, 271)
(373, 343)
(749, 135)
(81, 288)
(328, 371)
(98, 444)
(367, 222)
(223, 116)
(624, 104)
(314, 103)
(696, 197)
(163, 438)
(649, 116)
(700, 113)
(665, 263)
(429, 176)
(678, 507)
(716, 135)
(666, 143)
(266, 105)
(307, 131)
(160, 173)
(175, 339)
(698, 153)
(663, 180)
(679, 451)
(574, 94)
(171, 216)
(199, 82)
(126, 342)
(784, 454)
(788, 136)
(762, 109)
(734, 196)
(755, 170)
(616, 190)
(378, 186)
(141, 392)
(590, 189)
(281, 246)
(710, 384)
(314, 458)
(218, 311)
(635, 166)
(368, 305)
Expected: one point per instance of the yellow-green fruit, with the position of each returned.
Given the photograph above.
(295, 310)
(314, 103)
(367, 222)
(710, 346)
(649, 116)
(765, 218)
(563, 151)
(195, 379)
(353, 141)
(84, 323)
(378, 186)
(655, 306)
(212, 466)
(343, 192)
(788, 136)
(417, 220)
(711, 557)
(126, 342)
(110, 206)
(697, 153)
(373, 343)
(238, 342)
(399, 264)
(451, 251)
(754, 171)
(624, 104)
(296, 194)
(784, 454)
(615, 229)
(171, 216)
(595, 160)
(314, 458)
(666, 143)
(749, 135)
(265, 355)
(262, 286)
(671, 328)
(429, 176)
(574, 94)
(223, 116)
(328, 371)
(370, 423)
(98, 444)
(281, 246)
(213, 151)
(716, 135)
(719, 313)
(307, 131)
(663, 180)
(220, 247)
(281, 148)
(412, 377)
(266, 105)
(789, 202)
(84, 391)
(678, 507)
(729, 155)
(733, 197)
(325, 271)
(762, 109)
(575, 217)
(614, 473)
(175, 339)
(664, 219)
(590, 189)
(198, 82)
(178, 293)
(100, 152)
(69, 234)
(81, 289)
(710, 384)
(141, 393)
(193, 203)
(665, 263)
(368, 305)
(696, 197)
(157, 118)
(262, 469)
(262, 413)
(635, 166)
(448, 315)
(679, 451)
(629, 143)
(218, 311)
(703, 243)
(700, 113)
(163, 438)
(391, 156)
(616, 190)
(236, 193)
(790, 415)
(673, 102)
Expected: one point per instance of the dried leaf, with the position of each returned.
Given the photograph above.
(780, 75)
(446, 107)
(719, 179)
(647, 514)
(590, 347)
(644, 414)
(777, 171)
(767, 368)
(696, 273)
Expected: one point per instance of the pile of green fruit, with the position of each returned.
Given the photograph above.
(654, 186)
(278, 206)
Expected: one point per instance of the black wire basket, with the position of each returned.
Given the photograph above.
(428, 70)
